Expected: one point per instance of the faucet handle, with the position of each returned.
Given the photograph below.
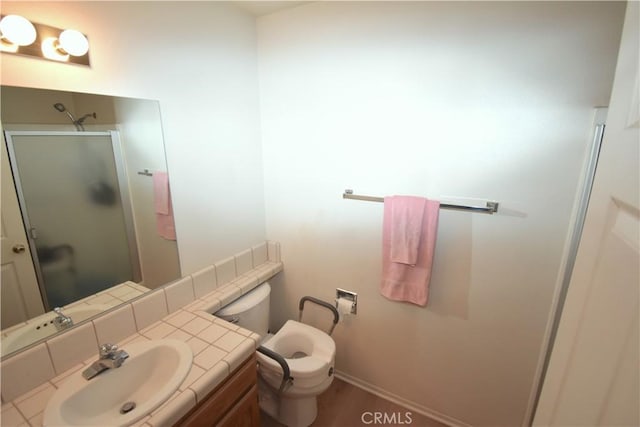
(61, 321)
(107, 350)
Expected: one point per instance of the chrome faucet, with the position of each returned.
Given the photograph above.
(61, 321)
(110, 358)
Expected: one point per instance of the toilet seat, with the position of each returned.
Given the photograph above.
(309, 352)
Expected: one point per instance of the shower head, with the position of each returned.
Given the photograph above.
(77, 123)
(86, 116)
(60, 107)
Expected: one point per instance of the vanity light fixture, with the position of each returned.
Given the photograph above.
(22, 37)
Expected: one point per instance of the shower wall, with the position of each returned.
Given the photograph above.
(488, 100)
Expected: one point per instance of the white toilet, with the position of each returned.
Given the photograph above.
(309, 354)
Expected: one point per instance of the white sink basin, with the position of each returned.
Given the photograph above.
(150, 375)
(42, 326)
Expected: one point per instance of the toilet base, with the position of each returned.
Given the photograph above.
(292, 412)
(298, 412)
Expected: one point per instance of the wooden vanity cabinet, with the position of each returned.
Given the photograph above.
(234, 403)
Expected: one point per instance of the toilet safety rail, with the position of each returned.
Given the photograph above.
(286, 372)
(321, 303)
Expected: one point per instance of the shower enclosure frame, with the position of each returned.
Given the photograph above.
(581, 203)
(125, 198)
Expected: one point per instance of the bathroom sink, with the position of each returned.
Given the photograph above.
(42, 327)
(122, 396)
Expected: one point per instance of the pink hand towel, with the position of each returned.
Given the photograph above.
(406, 228)
(403, 281)
(162, 203)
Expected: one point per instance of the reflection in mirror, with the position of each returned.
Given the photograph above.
(86, 214)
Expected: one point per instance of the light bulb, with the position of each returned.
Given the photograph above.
(17, 30)
(50, 50)
(73, 42)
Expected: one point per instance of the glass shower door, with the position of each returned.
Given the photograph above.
(74, 212)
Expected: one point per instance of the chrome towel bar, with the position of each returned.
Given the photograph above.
(490, 208)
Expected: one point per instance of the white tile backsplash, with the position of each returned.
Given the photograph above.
(150, 308)
(244, 262)
(71, 348)
(204, 281)
(259, 254)
(179, 293)
(115, 325)
(273, 251)
(225, 271)
(25, 371)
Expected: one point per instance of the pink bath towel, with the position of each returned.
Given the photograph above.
(162, 206)
(405, 277)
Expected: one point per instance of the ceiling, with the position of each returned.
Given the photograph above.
(260, 8)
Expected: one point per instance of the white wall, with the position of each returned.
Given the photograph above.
(480, 100)
(199, 60)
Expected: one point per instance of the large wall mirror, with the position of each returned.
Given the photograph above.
(86, 209)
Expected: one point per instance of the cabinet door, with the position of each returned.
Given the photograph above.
(231, 397)
(246, 413)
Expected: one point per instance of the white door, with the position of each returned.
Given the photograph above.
(593, 376)
(20, 295)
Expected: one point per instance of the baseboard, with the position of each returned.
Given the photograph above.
(452, 422)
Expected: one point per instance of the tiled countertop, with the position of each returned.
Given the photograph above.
(219, 347)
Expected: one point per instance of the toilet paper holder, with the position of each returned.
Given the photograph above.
(350, 296)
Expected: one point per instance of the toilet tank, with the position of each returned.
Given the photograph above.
(251, 311)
